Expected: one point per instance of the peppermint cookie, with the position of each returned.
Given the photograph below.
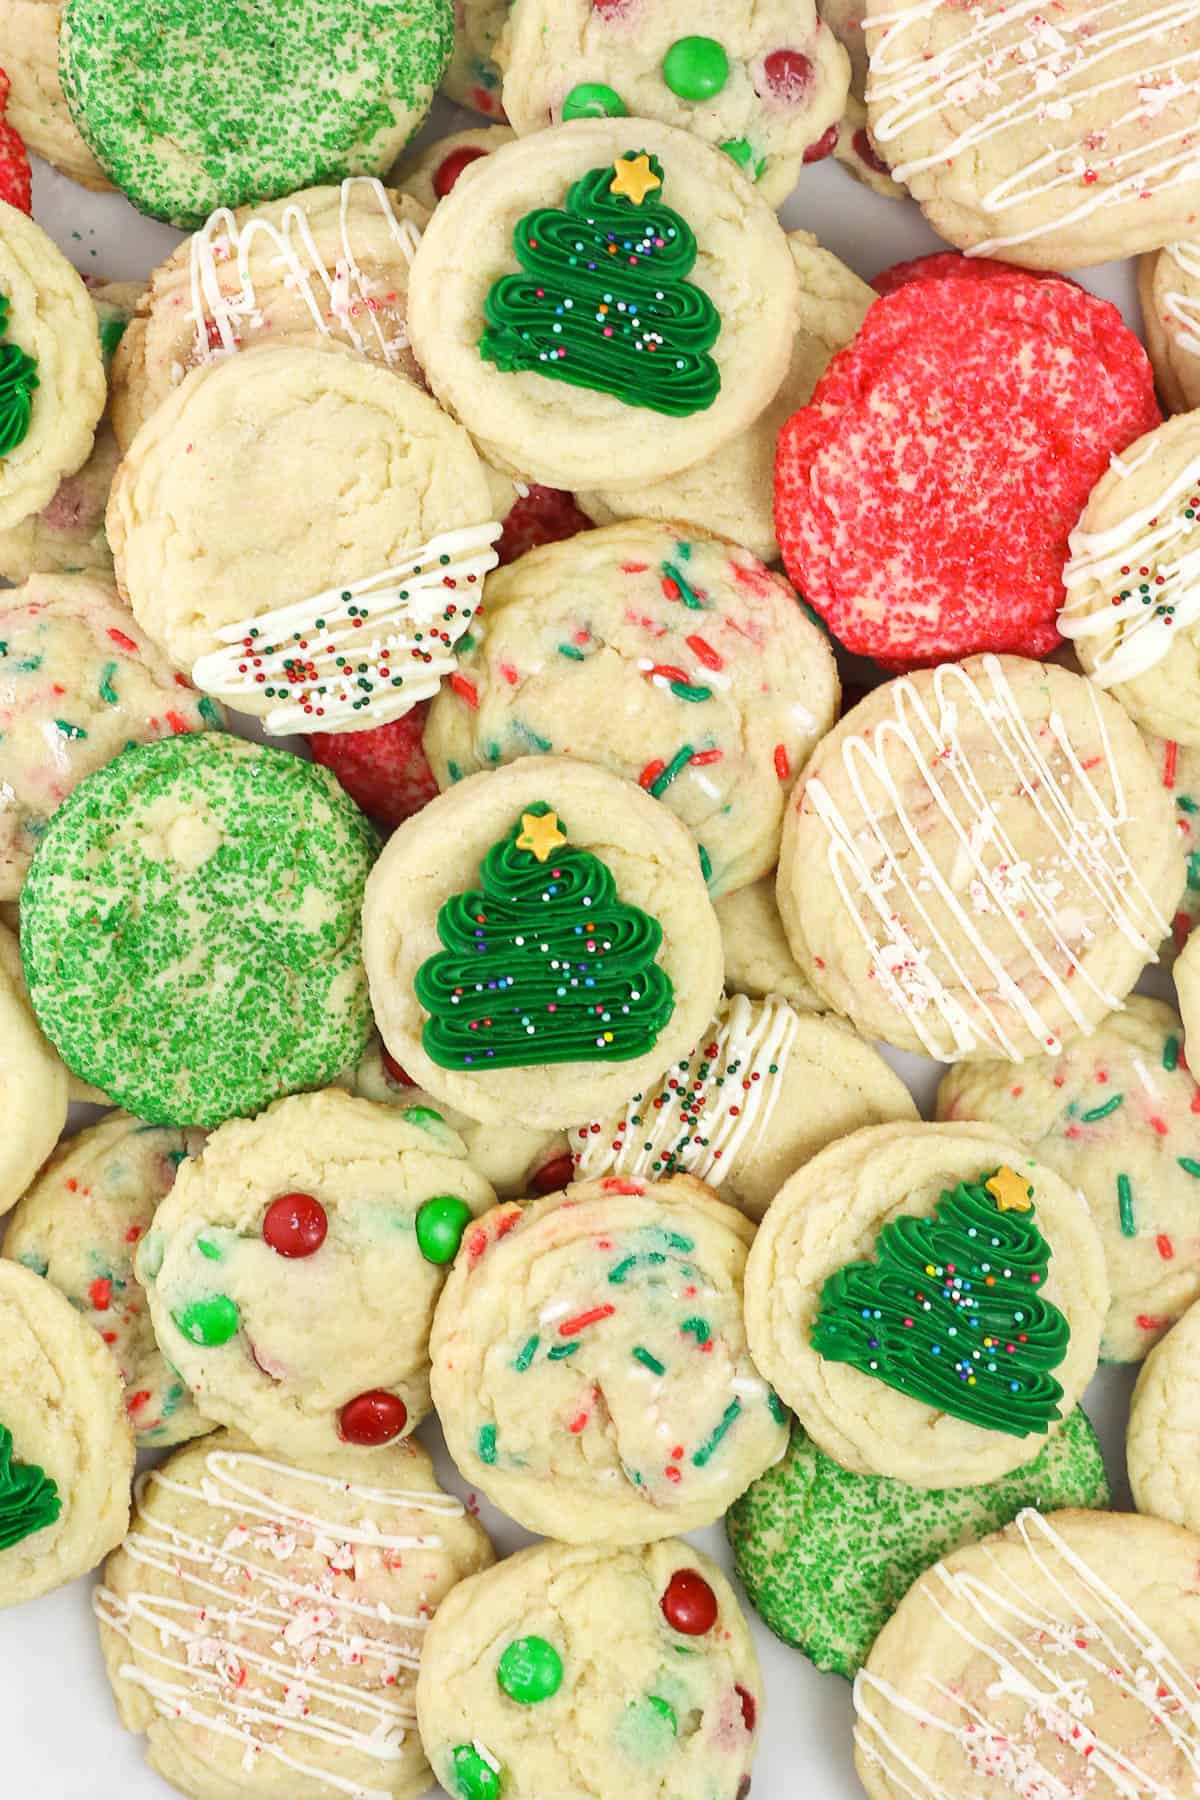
(827, 1556)
(33, 1083)
(430, 173)
(187, 109)
(661, 345)
(263, 1622)
(763, 1090)
(1169, 287)
(190, 928)
(292, 1270)
(758, 957)
(538, 940)
(981, 860)
(473, 76)
(78, 1225)
(1082, 153)
(527, 1690)
(763, 82)
(590, 1366)
(1114, 1114)
(36, 106)
(66, 1449)
(722, 685)
(929, 1300)
(730, 492)
(1060, 1652)
(330, 263)
(1162, 1444)
(52, 386)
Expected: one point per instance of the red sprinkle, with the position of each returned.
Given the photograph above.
(1170, 759)
(613, 1184)
(1166, 1248)
(135, 1401)
(581, 1321)
(100, 1293)
(651, 773)
(121, 641)
(783, 767)
(1145, 1322)
(701, 758)
(178, 723)
(466, 690)
(704, 653)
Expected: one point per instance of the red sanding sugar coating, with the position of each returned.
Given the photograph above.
(383, 770)
(16, 179)
(924, 497)
(943, 265)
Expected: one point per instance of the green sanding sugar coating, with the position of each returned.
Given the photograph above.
(191, 928)
(189, 106)
(826, 1556)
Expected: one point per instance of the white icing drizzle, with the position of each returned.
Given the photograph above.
(1182, 308)
(383, 643)
(1049, 1660)
(1152, 557)
(1035, 65)
(332, 296)
(701, 1124)
(247, 1639)
(921, 748)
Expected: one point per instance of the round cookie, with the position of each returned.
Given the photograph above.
(719, 337)
(853, 148)
(763, 1091)
(33, 1083)
(892, 1232)
(263, 1622)
(762, 80)
(592, 1672)
(190, 928)
(826, 1556)
(551, 852)
(722, 685)
(1179, 771)
(980, 860)
(1162, 1443)
(66, 1448)
(590, 1366)
(292, 1271)
(80, 683)
(731, 492)
(36, 107)
(1058, 1654)
(472, 75)
(187, 108)
(1169, 289)
(77, 1226)
(758, 957)
(330, 263)
(1103, 169)
(433, 170)
(1187, 988)
(51, 369)
(1115, 1115)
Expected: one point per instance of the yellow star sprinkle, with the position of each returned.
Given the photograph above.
(633, 178)
(1009, 1191)
(540, 833)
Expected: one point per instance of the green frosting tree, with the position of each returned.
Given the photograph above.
(603, 300)
(28, 1498)
(543, 962)
(951, 1310)
(18, 378)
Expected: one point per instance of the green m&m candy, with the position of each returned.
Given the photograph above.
(593, 100)
(742, 152)
(440, 1225)
(473, 1777)
(210, 1322)
(695, 68)
(530, 1670)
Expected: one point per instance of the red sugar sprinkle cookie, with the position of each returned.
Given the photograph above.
(1014, 392)
(16, 180)
(383, 770)
(944, 265)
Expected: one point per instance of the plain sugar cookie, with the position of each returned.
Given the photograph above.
(33, 1083)
(1162, 1442)
(758, 957)
(1169, 289)
(37, 108)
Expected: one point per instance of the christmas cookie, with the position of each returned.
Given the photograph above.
(33, 1083)
(1080, 151)
(36, 107)
(762, 81)
(330, 263)
(1187, 987)
(1059, 1654)
(190, 928)
(981, 860)
(763, 1090)
(1116, 1115)
(730, 492)
(853, 147)
(538, 940)
(1179, 770)
(16, 175)
(664, 345)
(473, 76)
(826, 1556)
(78, 1226)
(384, 769)
(52, 386)
(592, 1672)
(758, 957)
(722, 685)
(974, 366)
(590, 1366)
(432, 171)
(263, 1622)
(187, 109)
(1169, 286)
(66, 1449)
(929, 1300)
(320, 1196)
(1162, 1444)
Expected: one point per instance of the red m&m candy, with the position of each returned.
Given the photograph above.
(295, 1225)
(689, 1604)
(749, 1706)
(558, 1173)
(452, 166)
(789, 74)
(375, 1417)
(398, 1076)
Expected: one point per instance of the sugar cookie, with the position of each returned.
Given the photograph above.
(36, 106)
(33, 1083)
(758, 957)
(1162, 1442)
(1169, 287)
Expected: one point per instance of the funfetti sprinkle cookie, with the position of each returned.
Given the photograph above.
(473, 77)
(1187, 987)
(187, 109)
(33, 1083)
(972, 366)
(1179, 771)
(1162, 1444)
(78, 1226)
(592, 1672)
(586, 409)
(1082, 152)
(263, 1622)
(36, 106)
(929, 1300)
(981, 860)
(1169, 287)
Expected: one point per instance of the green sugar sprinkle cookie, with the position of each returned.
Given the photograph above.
(826, 1556)
(190, 928)
(190, 106)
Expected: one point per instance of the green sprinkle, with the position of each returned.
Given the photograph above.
(528, 735)
(1189, 1165)
(1185, 803)
(678, 762)
(697, 1328)
(209, 712)
(705, 863)
(620, 1270)
(778, 1410)
(1102, 1112)
(206, 1247)
(571, 651)
(487, 1444)
(108, 692)
(467, 642)
(1171, 1054)
(675, 1240)
(526, 1354)
(1193, 871)
(684, 690)
(70, 731)
(453, 770)
(687, 592)
(563, 1350)
(1125, 1206)
(712, 1443)
(648, 1361)
(424, 1116)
